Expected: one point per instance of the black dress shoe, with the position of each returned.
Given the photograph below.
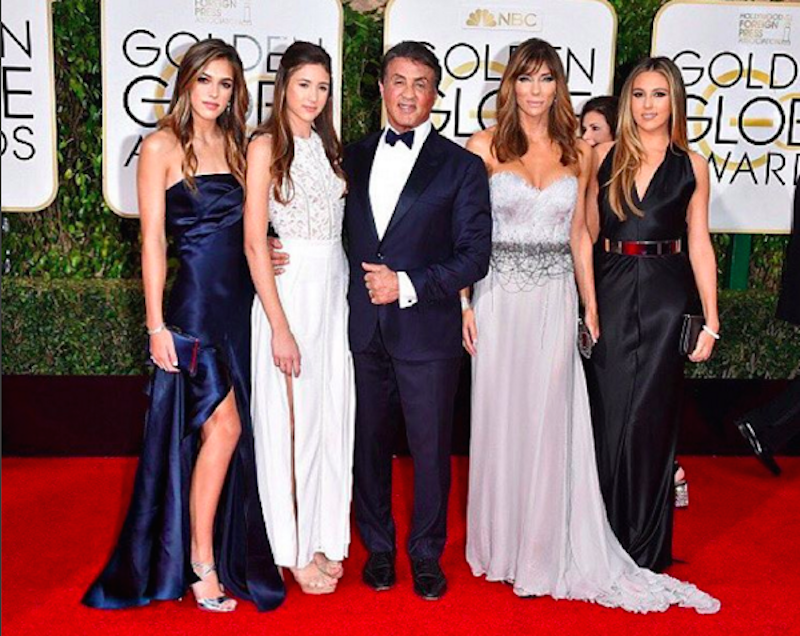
(429, 580)
(379, 571)
(763, 453)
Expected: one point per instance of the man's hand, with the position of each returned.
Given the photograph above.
(279, 259)
(382, 284)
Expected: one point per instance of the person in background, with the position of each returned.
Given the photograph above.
(769, 427)
(194, 518)
(653, 192)
(598, 120)
(303, 386)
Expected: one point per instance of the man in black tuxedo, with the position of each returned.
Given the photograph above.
(772, 425)
(418, 229)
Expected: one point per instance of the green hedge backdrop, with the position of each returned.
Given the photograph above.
(71, 296)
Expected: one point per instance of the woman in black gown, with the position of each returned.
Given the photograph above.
(653, 196)
(195, 496)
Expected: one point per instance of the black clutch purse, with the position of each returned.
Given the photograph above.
(585, 340)
(691, 327)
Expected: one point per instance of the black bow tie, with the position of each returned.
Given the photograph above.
(407, 137)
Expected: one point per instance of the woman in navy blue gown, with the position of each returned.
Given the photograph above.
(195, 517)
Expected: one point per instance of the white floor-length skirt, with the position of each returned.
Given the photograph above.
(535, 516)
(305, 479)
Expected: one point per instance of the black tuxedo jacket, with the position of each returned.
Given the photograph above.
(440, 234)
(789, 301)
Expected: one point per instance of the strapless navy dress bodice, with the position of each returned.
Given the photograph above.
(210, 299)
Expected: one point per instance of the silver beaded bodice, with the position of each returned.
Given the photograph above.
(316, 210)
(531, 229)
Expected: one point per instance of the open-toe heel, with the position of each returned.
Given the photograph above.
(222, 603)
(332, 569)
(681, 490)
(315, 583)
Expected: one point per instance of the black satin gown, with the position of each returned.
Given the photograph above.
(635, 375)
(210, 299)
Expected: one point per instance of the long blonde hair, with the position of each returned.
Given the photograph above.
(509, 141)
(232, 120)
(298, 54)
(629, 153)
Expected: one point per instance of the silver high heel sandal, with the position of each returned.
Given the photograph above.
(219, 604)
(681, 490)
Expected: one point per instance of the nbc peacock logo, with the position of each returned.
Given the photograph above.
(481, 18)
(501, 18)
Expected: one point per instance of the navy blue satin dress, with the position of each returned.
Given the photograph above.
(210, 299)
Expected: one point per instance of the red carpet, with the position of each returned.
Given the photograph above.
(739, 540)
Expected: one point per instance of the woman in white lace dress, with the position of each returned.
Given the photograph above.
(535, 515)
(303, 387)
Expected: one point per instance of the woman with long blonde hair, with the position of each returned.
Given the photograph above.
(655, 256)
(535, 516)
(194, 518)
(303, 384)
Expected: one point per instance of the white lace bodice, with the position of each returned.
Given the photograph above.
(316, 210)
(531, 229)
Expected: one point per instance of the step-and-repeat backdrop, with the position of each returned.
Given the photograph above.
(143, 42)
(739, 61)
(28, 143)
(473, 41)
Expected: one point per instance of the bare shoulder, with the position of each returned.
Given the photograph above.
(481, 144)
(160, 143)
(699, 164)
(260, 148)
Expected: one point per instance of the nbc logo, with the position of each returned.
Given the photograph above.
(501, 18)
(481, 17)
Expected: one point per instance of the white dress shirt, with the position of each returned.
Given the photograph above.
(390, 171)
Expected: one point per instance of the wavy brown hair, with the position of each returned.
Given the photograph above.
(629, 153)
(509, 141)
(299, 54)
(179, 117)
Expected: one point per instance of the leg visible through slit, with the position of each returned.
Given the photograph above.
(219, 436)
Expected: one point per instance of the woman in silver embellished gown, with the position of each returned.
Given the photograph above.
(536, 517)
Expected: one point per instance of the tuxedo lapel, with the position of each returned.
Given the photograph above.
(360, 185)
(423, 172)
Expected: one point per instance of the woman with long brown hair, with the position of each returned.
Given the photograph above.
(655, 256)
(194, 516)
(535, 516)
(303, 386)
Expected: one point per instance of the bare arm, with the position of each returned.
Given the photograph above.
(285, 352)
(151, 183)
(702, 257)
(581, 241)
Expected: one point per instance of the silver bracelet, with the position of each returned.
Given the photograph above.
(465, 303)
(159, 329)
(711, 332)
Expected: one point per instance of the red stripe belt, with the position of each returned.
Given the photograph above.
(642, 248)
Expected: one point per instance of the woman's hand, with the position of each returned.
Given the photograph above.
(469, 331)
(592, 323)
(285, 353)
(162, 351)
(705, 345)
(279, 259)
